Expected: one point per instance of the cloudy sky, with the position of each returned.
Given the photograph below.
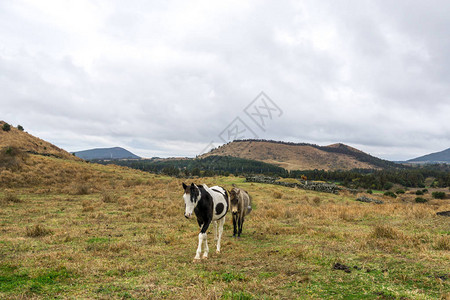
(170, 78)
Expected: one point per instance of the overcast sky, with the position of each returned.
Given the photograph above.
(169, 78)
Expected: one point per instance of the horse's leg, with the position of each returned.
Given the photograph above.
(234, 225)
(221, 222)
(241, 225)
(201, 237)
(215, 230)
(206, 248)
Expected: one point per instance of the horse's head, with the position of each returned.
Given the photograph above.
(191, 197)
(234, 200)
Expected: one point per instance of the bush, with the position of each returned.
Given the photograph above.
(20, 127)
(421, 200)
(438, 195)
(385, 232)
(390, 194)
(11, 198)
(82, 189)
(11, 157)
(369, 192)
(277, 195)
(388, 186)
(425, 191)
(37, 231)
(6, 127)
(400, 191)
(419, 192)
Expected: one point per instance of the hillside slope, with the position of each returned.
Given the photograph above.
(106, 153)
(31, 144)
(437, 157)
(293, 156)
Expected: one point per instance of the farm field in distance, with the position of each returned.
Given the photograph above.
(90, 231)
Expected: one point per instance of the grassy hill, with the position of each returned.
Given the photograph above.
(300, 156)
(71, 229)
(31, 144)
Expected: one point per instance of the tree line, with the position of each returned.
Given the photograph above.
(413, 177)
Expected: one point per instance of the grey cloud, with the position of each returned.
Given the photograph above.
(167, 78)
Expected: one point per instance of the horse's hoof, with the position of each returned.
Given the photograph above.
(218, 251)
(205, 257)
(196, 260)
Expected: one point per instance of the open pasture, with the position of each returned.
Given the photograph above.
(109, 232)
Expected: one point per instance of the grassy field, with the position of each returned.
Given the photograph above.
(79, 231)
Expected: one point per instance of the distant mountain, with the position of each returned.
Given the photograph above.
(106, 153)
(438, 157)
(302, 156)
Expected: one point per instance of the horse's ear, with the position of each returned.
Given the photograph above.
(192, 185)
(233, 185)
(238, 191)
(184, 186)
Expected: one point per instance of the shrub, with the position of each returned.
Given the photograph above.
(390, 194)
(369, 192)
(419, 192)
(6, 127)
(11, 157)
(421, 200)
(317, 201)
(20, 127)
(37, 231)
(438, 195)
(400, 191)
(425, 191)
(109, 197)
(388, 186)
(385, 232)
(82, 189)
(11, 198)
(443, 243)
(277, 195)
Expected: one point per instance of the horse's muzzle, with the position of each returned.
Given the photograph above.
(187, 216)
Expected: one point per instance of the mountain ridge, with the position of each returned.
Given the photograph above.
(435, 157)
(302, 156)
(106, 153)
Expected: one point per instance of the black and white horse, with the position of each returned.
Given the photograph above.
(209, 205)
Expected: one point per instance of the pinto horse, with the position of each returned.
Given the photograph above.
(209, 205)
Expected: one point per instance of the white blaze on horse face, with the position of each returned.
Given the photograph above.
(189, 205)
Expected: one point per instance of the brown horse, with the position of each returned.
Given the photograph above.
(241, 205)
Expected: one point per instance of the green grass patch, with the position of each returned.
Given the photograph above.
(13, 279)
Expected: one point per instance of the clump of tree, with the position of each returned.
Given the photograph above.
(6, 127)
(390, 194)
(20, 127)
(438, 195)
(421, 200)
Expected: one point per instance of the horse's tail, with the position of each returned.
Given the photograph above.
(249, 207)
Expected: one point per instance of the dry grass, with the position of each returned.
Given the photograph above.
(11, 197)
(385, 232)
(38, 230)
(128, 238)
